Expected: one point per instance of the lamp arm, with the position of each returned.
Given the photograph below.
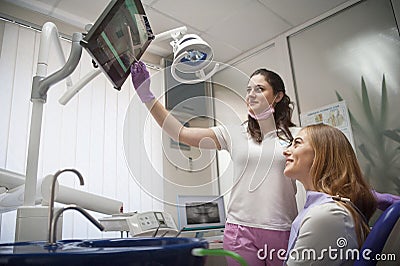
(201, 74)
(174, 33)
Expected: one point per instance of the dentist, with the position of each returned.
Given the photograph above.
(262, 203)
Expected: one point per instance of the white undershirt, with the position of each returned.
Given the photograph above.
(261, 196)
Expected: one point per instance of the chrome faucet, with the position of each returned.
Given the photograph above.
(52, 239)
(52, 225)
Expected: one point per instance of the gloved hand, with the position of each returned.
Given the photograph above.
(141, 81)
(385, 200)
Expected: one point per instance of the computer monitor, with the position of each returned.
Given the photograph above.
(118, 38)
(201, 212)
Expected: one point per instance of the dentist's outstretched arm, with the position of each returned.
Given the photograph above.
(193, 136)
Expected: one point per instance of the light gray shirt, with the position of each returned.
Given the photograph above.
(326, 237)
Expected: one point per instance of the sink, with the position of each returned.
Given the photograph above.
(120, 251)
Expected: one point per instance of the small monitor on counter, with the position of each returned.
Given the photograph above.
(201, 212)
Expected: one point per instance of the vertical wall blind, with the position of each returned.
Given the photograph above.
(86, 134)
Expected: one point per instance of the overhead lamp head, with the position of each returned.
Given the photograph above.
(192, 55)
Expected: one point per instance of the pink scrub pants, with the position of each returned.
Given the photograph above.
(252, 243)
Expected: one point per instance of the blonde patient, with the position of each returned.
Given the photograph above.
(339, 201)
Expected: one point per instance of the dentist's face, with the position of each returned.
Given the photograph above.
(299, 159)
(259, 94)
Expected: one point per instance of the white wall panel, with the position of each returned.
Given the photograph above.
(7, 73)
(156, 137)
(110, 147)
(84, 102)
(8, 63)
(123, 177)
(130, 139)
(20, 110)
(7, 76)
(68, 146)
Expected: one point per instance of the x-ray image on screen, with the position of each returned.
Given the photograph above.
(119, 37)
(200, 212)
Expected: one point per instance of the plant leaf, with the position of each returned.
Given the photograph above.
(365, 152)
(356, 127)
(384, 104)
(365, 101)
(367, 171)
(338, 96)
(354, 122)
(396, 181)
(392, 155)
(392, 135)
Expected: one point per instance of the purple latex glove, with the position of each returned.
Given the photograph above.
(385, 200)
(141, 81)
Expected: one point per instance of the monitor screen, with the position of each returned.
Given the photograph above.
(119, 37)
(201, 212)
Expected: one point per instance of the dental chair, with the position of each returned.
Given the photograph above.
(384, 234)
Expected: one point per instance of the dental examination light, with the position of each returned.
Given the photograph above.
(192, 56)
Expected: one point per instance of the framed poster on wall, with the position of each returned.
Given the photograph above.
(335, 114)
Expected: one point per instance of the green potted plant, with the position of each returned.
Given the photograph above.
(377, 142)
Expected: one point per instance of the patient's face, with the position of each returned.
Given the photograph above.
(299, 158)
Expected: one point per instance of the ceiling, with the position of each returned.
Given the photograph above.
(231, 27)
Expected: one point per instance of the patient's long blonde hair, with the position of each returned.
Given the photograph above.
(335, 171)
